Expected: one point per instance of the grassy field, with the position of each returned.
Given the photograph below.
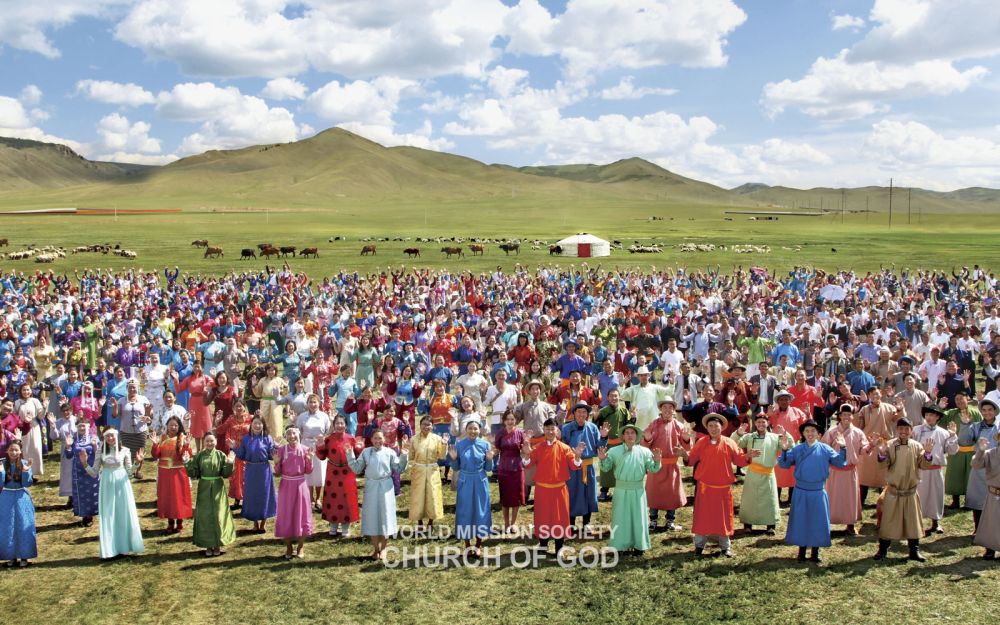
(862, 242)
(251, 583)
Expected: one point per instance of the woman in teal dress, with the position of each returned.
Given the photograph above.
(629, 511)
(213, 520)
(17, 511)
(291, 363)
(119, 522)
(364, 363)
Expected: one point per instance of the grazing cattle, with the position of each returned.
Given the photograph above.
(286, 250)
(412, 252)
(510, 247)
(452, 251)
(4, 243)
(200, 243)
(269, 251)
(555, 249)
(474, 248)
(332, 239)
(215, 252)
(833, 249)
(309, 251)
(368, 249)
(264, 246)
(247, 252)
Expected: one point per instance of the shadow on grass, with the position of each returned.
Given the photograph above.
(972, 568)
(58, 526)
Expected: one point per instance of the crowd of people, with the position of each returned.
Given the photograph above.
(275, 395)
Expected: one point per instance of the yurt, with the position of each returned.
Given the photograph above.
(584, 245)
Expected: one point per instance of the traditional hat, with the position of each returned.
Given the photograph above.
(584, 405)
(643, 370)
(932, 409)
(761, 415)
(667, 400)
(904, 422)
(631, 426)
(846, 408)
(990, 402)
(783, 393)
(569, 342)
(738, 365)
(534, 382)
(808, 424)
(712, 416)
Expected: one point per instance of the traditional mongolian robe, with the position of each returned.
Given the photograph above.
(875, 420)
(842, 486)
(259, 500)
(618, 417)
(86, 488)
(294, 509)
(378, 509)
(583, 484)
(791, 420)
(472, 499)
(213, 521)
(809, 517)
(713, 470)
(553, 462)
(629, 511)
(17, 514)
(119, 521)
(956, 476)
(931, 486)
(988, 533)
(899, 503)
(509, 470)
(173, 488)
(976, 491)
(759, 503)
(664, 487)
(340, 492)
(426, 499)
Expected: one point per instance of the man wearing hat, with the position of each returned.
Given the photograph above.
(629, 463)
(956, 475)
(988, 527)
(931, 487)
(898, 379)
(759, 503)
(643, 398)
(842, 485)
(569, 361)
(809, 518)
(581, 433)
(617, 416)
(665, 488)
(977, 491)
(785, 418)
(899, 506)
(713, 458)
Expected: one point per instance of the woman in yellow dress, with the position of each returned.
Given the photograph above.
(43, 355)
(426, 448)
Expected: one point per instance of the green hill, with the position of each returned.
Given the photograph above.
(970, 200)
(26, 164)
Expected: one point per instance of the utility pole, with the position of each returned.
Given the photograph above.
(866, 209)
(890, 203)
(909, 197)
(843, 204)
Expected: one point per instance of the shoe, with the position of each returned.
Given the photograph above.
(916, 556)
(288, 556)
(879, 556)
(673, 527)
(699, 552)
(208, 553)
(770, 531)
(990, 554)
(728, 553)
(939, 530)
(815, 557)
(602, 497)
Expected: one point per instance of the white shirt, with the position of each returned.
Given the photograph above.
(501, 401)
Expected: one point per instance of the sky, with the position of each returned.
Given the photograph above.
(801, 93)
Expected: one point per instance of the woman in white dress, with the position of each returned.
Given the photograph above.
(314, 425)
(30, 410)
(154, 376)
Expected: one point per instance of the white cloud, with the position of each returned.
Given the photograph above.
(837, 89)
(626, 90)
(912, 144)
(117, 134)
(596, 35)
(25, 23)
(360, 101)
(284, 89)
(355, 38)
(31, 95)
(385, 135)
(12, 114)
(841, 22)
(110, 92)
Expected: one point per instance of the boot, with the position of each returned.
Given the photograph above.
(915, 551)
(699, 552)
(851, 530)
(990, 554)
(815, 556)
(975, 520)
(802, 554)
(883, 549)
(770, 530)
(954, 503)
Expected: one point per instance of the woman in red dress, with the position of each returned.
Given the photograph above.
(340, 495)
(223, 393)
(232, 431)
(173, 488)
(198, 384)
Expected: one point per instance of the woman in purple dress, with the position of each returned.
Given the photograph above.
(293, 463)
(256, 450)
(86, 488)
(510, 471)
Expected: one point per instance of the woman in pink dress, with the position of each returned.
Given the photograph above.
(198, 385)
(87, 406)
(293, 462)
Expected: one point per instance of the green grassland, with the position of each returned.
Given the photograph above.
(251, 583)
(862, 242)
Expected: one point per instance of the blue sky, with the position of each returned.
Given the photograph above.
(796, 92)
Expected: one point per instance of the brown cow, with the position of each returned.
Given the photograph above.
(200, 243)
(213, 251)
(264, 246)
(451, 251)
(412, 251)
(269, 251)
(4, 243)
(309, 251)
(287, 249)
(477, 248)
(368, 249)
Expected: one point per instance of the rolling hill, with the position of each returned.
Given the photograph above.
(338, 167)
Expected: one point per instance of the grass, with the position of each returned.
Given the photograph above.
(251, 583)
(862, 242)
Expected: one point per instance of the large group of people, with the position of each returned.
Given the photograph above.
(282, 397)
